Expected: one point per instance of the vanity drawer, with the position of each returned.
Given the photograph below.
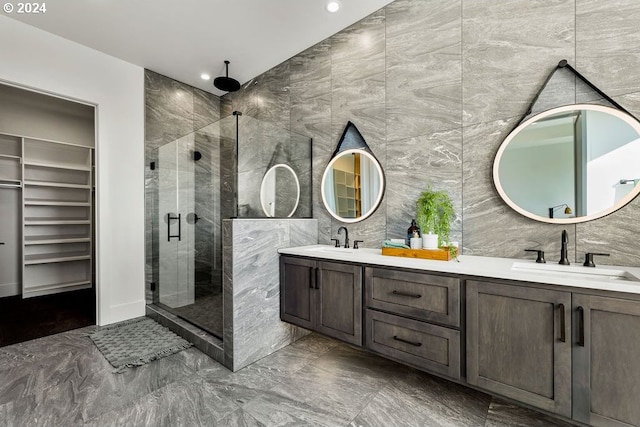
(423, 345)
(422, 296)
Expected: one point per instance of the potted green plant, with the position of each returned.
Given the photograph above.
(435, 214)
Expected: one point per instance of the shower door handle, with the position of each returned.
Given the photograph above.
(169, 218)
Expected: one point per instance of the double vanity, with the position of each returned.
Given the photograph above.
(561, 338)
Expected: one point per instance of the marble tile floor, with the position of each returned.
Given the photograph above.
(205, 312)
(63, 380)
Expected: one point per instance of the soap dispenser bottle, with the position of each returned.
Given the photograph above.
(412, 229)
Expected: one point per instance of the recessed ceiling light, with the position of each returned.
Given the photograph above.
(333, 6)
(205, 76)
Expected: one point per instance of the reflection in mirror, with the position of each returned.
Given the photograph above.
(353, 182)
(570, 164)
(280, 192)
(352, 185)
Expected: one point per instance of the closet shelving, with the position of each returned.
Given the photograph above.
(10, 161)
(347, 193)
(57, 217)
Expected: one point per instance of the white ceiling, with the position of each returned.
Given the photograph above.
(184, 38)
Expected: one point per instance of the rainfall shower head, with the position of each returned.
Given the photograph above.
(226, 83)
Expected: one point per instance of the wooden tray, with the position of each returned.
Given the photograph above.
(441, 254)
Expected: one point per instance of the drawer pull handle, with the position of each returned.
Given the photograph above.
(415, 344)
(404, 294)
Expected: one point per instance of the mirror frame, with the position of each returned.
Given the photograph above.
(632, 121)
(273, 168)
(379, 197)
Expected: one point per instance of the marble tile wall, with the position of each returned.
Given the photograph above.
(228, 168)
(208, 261)
(434, 86)
(275, 145)
(252, 286)
(173, 110)
(608, 50)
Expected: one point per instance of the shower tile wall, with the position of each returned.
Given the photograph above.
(252, 286)
(228, 168)
(173, 110)
(435, 86)
(310, 114)
(208, 241)
(261, 146)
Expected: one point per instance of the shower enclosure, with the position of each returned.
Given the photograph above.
(238, 167)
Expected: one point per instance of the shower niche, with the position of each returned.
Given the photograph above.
(222, 171)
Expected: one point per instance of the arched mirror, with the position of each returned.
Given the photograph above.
(353, 182)
(570, 164)
(280, 192)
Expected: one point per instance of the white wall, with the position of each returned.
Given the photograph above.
(605, 172)
(539, 177)
(36, 59)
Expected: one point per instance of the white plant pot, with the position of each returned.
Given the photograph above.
(430, 241)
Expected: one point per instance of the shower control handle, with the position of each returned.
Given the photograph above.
(179, 235)
(192, 218)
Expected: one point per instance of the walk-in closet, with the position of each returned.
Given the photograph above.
(47, 193)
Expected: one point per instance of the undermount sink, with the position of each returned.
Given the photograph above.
(576, 271)
(341, 250)
(332, 249)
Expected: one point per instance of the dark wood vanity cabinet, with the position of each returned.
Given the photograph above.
(322, 296)
(568, 351)
(414, 318)
(519, 343)
(606, 361)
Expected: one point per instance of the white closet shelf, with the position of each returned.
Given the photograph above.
(35, 202)
(55, 184)
(56, 257)
(59, 238)
(10, 183)
(69, 166)
(57, 216)
(10, 156)
(32, 290)
(55, 221)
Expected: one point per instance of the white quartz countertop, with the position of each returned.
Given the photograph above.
(602, 277)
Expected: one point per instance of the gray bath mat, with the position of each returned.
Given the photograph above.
(136, 342)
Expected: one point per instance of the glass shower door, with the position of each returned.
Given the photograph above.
(176, 201)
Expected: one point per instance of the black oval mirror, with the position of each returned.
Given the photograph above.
(570, 164)
(353, 182)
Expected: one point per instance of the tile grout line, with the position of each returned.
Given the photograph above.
(369, 402)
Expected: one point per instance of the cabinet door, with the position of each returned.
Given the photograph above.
(606, 364)
(297, 295)
(518, 344)
(340, 301)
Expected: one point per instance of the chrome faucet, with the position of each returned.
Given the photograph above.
(346, 236)
(564, 260)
